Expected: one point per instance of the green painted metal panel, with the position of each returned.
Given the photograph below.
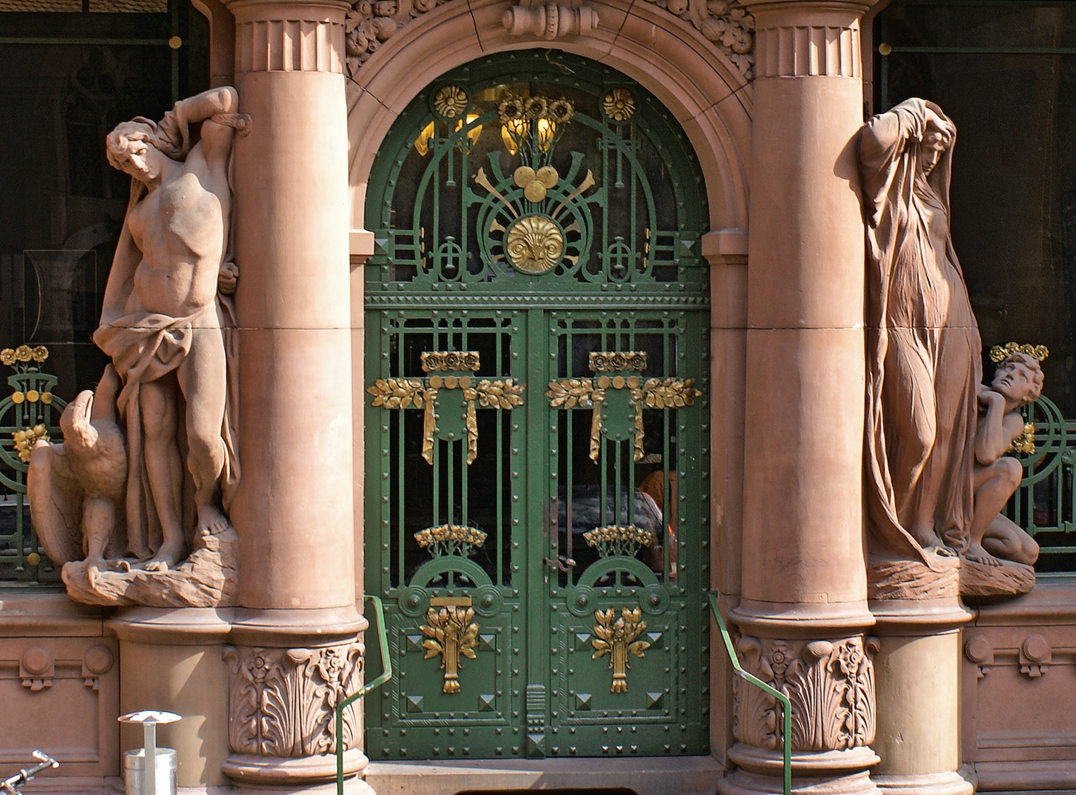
(536, 442)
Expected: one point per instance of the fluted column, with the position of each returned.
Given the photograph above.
(803, 615)
(294, 652)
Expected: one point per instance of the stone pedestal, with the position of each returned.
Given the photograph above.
(918, 673)
(171, 660)
(803, 612)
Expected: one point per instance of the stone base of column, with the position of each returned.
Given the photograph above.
(950, 783)
(287, 671)
(827, 772)
(352, 786)
(918, 688)
(273, 771)
(171, 660)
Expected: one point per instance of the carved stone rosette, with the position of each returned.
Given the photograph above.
(282, 702)
(829, 683)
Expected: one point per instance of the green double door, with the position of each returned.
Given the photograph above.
(537, 420)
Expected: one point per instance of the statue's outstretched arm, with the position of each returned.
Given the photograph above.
(208, 104)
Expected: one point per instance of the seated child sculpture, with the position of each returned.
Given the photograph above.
(1017, 382)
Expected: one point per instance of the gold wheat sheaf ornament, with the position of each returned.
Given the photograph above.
(450, 633)
(618, 637)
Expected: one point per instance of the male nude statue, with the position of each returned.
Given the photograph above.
(162, 320)
(1017, 382)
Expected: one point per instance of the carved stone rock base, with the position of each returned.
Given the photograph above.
(924, 784)
(209, 577)
(913, 579)
(1008, 579)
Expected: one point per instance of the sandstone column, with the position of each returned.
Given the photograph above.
(294, 652)
(803, 612)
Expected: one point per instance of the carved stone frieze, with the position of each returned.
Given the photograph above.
(829, 683)
(368, 24)
(282, 702)
(726, 23)
(549, 20)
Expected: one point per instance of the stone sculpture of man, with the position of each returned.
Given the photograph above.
(164, 320)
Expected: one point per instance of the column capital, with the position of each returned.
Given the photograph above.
(808, 38)
(289, 36)
(806, 11)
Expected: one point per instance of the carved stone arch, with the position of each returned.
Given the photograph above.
(697, 83)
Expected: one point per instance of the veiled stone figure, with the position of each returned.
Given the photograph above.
(924, 366)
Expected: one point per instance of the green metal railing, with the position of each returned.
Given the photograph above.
(786, 705)
(386, 674)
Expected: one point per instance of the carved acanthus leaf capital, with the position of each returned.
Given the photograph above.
(830, 685)
(282, 702)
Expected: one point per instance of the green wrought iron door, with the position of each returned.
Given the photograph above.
(536, 456)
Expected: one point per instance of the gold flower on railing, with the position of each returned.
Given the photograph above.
(26, 438)
(440, 361)
(536, 108)
(603, 361)
(617, 637)
(450, 539)
(20, 357)
(619, 104)
(450, 101)
(618, 539)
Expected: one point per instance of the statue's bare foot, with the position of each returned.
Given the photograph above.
(170, 553)
(930, 542)
(211, 522)
(976, 554)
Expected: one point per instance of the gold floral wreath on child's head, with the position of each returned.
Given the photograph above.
(1000, 353)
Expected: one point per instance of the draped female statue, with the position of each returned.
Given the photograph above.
(923, 351)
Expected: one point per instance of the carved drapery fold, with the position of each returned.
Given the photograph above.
(282, 702)
(830, 685)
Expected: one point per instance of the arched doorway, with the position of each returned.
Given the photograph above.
(537, 365)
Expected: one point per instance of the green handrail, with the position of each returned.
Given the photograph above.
(386, 674)
(786, 705)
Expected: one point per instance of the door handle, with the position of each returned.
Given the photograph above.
(560, 564)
